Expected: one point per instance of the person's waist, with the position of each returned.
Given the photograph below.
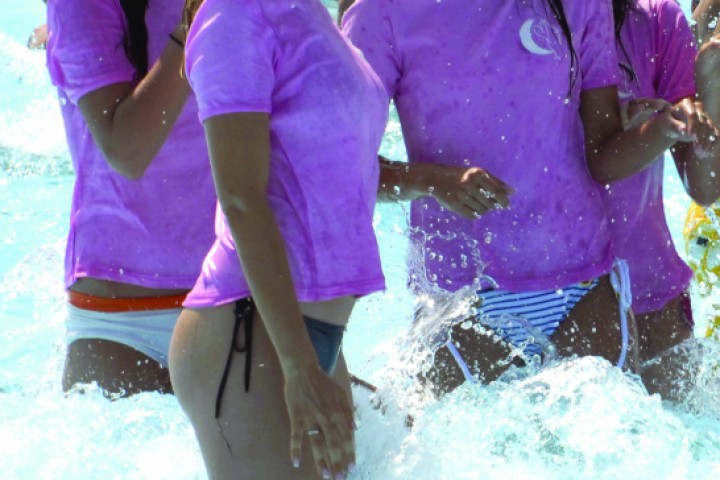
(103, 304)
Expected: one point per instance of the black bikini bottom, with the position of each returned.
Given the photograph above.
(326, 338)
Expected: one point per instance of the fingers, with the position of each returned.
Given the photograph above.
(296, 434)
(326, 423)
(470, 192)
(340, 446)
(705, 132)
(320, 451)
(699, 128)
(484, 186)
(637, 112)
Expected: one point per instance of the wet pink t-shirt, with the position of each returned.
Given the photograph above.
(486, 84)
(661, 51)
(152, 232)
(327, 114)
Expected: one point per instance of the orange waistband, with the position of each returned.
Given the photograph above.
(113, 305)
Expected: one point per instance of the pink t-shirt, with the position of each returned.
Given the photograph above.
(152, 232)
(485, 84)
(661, 51)
(327, 114)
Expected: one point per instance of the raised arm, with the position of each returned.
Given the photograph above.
(131, 122)
(239, 147)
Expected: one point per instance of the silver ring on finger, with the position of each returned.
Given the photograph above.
(310, 433)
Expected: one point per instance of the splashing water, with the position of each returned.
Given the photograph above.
(574, 418)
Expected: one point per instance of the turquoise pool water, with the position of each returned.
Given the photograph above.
(580, 419)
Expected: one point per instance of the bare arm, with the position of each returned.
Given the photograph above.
(705, 13)
(467, 191)
(614, 154)
(701, 173)
(131, 123)
(239, 146)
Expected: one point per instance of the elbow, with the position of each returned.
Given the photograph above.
(601, 176)
(238, 209)
(705, 198)
(126, 161)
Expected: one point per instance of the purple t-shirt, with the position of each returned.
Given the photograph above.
(661, 51)
(152, 232)
(327, 114)
(486, 84)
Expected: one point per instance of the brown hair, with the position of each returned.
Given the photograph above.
(191, 8)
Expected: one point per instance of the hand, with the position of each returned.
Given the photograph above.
(318, 405)
(38, 38)
(639, 111)
(470, 192)
(688, 122)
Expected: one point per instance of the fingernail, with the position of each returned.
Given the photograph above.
(326, 473)
(296, 462)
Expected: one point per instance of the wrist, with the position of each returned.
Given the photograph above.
(661, 128)
(418, 180)
(299, 365)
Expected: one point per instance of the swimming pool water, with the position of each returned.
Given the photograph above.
(578, 419)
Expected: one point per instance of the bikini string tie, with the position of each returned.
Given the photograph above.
(620, 281)
(243, 315)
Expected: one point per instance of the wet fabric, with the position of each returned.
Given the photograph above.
(660, 49)
(147, 331)
(489, 85)
(327, 115)
(153, 232)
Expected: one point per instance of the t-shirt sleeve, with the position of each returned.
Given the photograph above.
(85, 48)
(230, 58)
(369, 27)
(596, 54)
(676, 54)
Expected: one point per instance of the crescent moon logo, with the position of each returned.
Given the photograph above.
(544, 32)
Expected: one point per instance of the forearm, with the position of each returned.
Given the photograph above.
(263, 257)
(135, 122)
(400, 181)
(708, 90)
(626, 153)
(700, 176)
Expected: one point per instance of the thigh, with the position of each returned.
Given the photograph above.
(485, 356)
(250, 439)
(667, 373)
(662, 329)
(118, 369)
(593, 325)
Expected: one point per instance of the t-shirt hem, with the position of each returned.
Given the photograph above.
(658, 301)
(601, 83)
(547, 283)
(307, 294)
(260, 107)
(75, 94)
(132, 278)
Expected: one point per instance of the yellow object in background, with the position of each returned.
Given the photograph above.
(702, 245)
